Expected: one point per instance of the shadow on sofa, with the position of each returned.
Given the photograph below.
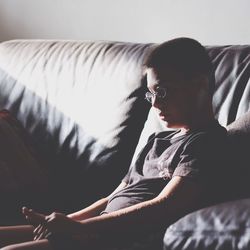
(80, 169)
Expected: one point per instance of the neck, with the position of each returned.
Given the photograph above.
(201, 119)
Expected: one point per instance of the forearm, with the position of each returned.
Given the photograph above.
(95, 208)
(90, 211)
(143, 216)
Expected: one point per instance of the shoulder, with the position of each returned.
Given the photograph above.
(213, 130)
(211, 138)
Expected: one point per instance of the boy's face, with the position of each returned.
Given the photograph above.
(180, 102)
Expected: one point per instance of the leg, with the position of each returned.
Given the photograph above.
(15, 234)
(30, 245)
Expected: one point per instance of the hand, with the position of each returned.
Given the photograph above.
(41, 232)
(33, 217)
(56, 223)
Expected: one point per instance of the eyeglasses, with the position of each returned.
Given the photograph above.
(159, 93)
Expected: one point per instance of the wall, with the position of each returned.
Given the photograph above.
(210, 21)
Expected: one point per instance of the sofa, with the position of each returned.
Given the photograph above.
(79, 112)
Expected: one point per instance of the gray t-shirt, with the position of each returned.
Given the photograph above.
(197, 155)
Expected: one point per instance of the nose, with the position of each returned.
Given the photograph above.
(156, 103)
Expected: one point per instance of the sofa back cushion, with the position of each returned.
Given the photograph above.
(83, 103)
(239, 158)
(232, 78)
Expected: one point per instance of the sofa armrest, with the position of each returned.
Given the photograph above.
(224, 226)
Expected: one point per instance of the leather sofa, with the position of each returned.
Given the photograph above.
(82, 104)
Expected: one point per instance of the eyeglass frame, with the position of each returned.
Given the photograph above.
(150, 95)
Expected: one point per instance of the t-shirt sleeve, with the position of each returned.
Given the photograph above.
(198, 158)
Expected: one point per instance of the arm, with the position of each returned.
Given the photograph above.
(90, 211)
(66, 223)
(95, 208)
(178, 197)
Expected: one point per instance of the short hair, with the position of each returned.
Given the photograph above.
(185, 55)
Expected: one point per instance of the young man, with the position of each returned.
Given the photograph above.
(176, 172)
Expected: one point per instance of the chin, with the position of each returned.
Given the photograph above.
(168, 124)
(172, 125)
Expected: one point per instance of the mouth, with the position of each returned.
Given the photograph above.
(162, 114)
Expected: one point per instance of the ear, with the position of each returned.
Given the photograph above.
(204, 97)
(201, 79)
(202, 82)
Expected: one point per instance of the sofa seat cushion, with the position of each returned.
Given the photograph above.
(222, 227)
